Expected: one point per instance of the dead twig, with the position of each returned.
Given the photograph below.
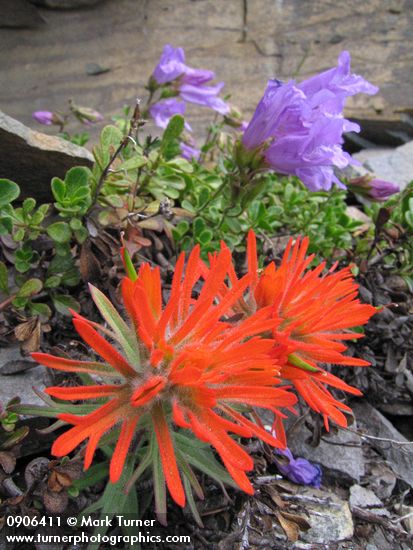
(370, 517)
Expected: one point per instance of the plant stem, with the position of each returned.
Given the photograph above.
(134, 125)
(7, 302)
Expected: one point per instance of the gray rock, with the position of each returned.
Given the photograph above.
(32, 159)
(381, 479)
(245, 43)
(394, 165)
(65, 4)
(363, 498)
(20, 384)
(19, 14)
(340, 455)
(399, 457)
(329, 516)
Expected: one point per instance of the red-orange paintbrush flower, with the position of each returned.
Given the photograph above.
(313, 311)
(183, 366)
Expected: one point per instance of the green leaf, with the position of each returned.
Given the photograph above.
(59, 232)
(205, 237)
(114, 501)
(75, 224)
(16, 437)
(191, 502)
(173, 131)
(125, 336)
(77, 180)
(18, 235)
(409, 217)
(52, 282)
(28, 205)
(4, 283)
(9, 191)
(133, 163)
(62, 303)
(110, 136)
(159, 486)
(51, 411)
(181, 164)
(58, 189)
(40, 309)
(200, 456)
(30, 288)
(91, 477)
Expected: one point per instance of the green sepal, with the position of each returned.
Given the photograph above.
(301, 364)
(129, 267)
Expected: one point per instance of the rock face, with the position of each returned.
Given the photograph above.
(329, 516)
(245, 42)
(399, 457)
(32, 159)
(65, 4)
(347, 465)
(390, 164)
(21, 383)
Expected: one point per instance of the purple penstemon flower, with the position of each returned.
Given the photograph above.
(164, 110)
(298, 470)
(189, 151)
(43, 117)
(189, 82)
(298, 128)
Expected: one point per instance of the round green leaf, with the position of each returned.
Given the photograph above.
(30, 288)
(60, 232)
(62, 303)
(9, 191)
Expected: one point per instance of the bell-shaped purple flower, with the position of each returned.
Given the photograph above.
(329, 90)
(277, 114)
(206, 96)
(170, 66)
(164, 110)
(298, 128)
(298, 470)
(43, 117)
(189, 82)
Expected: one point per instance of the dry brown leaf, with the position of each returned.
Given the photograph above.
(24, 330)
(89, 266)
(301, 521)
(58, 481)
(55, 503)
(290, 528)
(7, 462)
(33, 342)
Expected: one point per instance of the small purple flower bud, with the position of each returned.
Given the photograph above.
(87, 116)
(375, 189)
(44, 117)
(298, 470)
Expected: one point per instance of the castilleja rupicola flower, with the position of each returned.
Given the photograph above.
(196, 367)
(184, 365)
(313, 311)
